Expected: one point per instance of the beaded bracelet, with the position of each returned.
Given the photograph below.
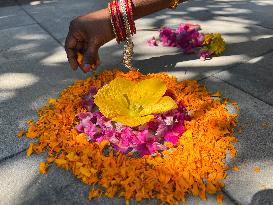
(122, 20)
(112, 20)
(129, 10)
(129, 45)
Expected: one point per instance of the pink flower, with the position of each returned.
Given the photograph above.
(204, 55)
(168, 37)
(171, 137)
(88, 100)
(147, 144)
(152, 42)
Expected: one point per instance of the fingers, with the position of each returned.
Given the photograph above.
(70, 48)
(91, 58)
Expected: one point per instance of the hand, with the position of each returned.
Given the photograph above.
(86, 35)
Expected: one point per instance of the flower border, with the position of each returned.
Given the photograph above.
(196, 166)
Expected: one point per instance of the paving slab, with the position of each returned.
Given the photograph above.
(252, 12)
(254, 158)
(241, 38)
(48, 13)
(254, 77)
(33, 68)
(11, 15)
(14, 19)
(22, 184)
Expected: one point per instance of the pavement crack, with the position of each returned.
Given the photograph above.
(15, 27)
(39, 24)
(239, 88)
(228, 195)
(11, 156)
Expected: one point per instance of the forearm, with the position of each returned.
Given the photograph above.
(86, 37)
(146, 7)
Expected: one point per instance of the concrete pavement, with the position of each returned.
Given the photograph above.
(33, 68)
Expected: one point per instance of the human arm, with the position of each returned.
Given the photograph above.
(89, 32)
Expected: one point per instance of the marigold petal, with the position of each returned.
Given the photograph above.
(43, 167)
(30, 149)
(220, 198)
(21, 133)
(85, 171)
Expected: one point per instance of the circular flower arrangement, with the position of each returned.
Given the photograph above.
(137, 136)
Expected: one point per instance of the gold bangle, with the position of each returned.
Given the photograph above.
(174, 4)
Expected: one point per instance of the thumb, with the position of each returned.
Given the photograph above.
(91, 58)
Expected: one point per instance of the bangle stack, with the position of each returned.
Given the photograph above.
(122, 20)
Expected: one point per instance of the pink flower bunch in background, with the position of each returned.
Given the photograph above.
(141, 140)
(188, 37)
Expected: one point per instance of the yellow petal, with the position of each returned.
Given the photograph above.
(147, 92)
(111, 98)
(133, 121)
(85, 171)
(21, 133)
(43, 167)
(30, 149)
(60, 161)
(165, 104)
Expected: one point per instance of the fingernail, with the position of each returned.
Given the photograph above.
(86, 67)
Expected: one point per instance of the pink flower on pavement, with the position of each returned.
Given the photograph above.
(204, 55)
(167, 37)
(152, 42)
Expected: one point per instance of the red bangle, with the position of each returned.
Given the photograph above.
(129, 9)
(116, 21)
(120, 21)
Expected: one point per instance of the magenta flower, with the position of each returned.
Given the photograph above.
(204, 55)
(168, 37)
(88, 100)
(152, 42)
(171, 137)
(188, 37)
(147, 144)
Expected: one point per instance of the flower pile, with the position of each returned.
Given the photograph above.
(188, 37)
(139, 140)
(192, 162)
